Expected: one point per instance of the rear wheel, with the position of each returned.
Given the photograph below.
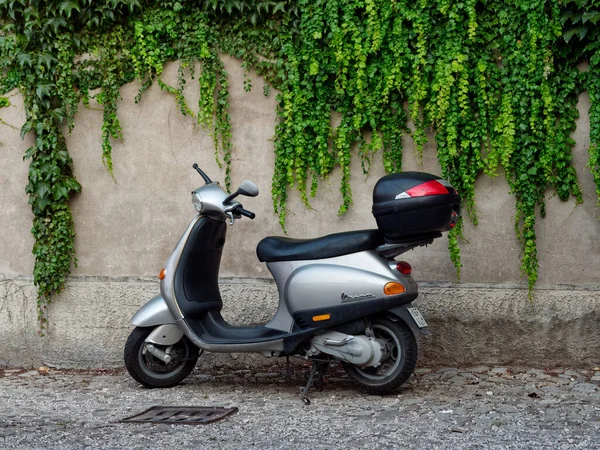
(399, 361)
(152, 372)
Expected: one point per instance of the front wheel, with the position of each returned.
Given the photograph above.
(399, 361)
(152, 372)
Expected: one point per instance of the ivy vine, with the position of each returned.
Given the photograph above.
(496, 82)
(580, 19)
(486, 76)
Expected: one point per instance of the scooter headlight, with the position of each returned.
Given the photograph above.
(197, 201)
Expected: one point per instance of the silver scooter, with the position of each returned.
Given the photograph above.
(342, 297)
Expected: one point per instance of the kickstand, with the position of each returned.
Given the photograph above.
(315, 378)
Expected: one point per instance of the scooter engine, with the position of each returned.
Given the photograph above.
(360, 350)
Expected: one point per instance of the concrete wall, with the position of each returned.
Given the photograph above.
(126, 229)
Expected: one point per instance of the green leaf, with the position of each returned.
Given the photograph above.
(566, 16)
(133, 4)
(56, 23)
(576, 17)
(568, 35)
(47, 60)
(44, 90)
(592, 16)
(25, 129)
(29, 153)
(60, 192)
(24, 59)
(66, 7)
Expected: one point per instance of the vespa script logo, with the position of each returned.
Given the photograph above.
(354, 298)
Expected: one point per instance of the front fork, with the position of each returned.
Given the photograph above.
(164, 356)
(166, 333)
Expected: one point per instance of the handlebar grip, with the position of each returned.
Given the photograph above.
(245, 212)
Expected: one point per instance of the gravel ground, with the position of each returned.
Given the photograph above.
(478, 407)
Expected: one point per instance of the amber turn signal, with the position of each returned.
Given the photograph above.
(321, 317)
(393, 288)
(162, 274)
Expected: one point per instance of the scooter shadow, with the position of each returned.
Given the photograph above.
(279, 380)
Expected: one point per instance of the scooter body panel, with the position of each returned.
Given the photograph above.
(196, 231)
(349, 285)
(167, 284)
(344, 279)
(343, 283)
(272, 347)
(154, 312)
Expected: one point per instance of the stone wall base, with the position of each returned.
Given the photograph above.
(470, 324)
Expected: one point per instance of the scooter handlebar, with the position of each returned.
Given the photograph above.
(245, 212)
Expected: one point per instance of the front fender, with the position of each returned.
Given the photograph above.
(153, 313)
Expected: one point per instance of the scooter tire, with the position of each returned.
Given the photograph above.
(151, 372)
(403, 359)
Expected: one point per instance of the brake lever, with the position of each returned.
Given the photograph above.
(230, 215)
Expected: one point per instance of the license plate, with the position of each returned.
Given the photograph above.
(417, 317)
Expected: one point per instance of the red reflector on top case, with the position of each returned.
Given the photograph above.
(428, 188)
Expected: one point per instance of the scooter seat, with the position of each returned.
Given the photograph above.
(272, 248)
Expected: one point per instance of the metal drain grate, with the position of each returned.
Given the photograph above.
(185, 415)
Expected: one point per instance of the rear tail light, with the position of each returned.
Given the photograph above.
(404, 268)
(453, 219)
(433, 187)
